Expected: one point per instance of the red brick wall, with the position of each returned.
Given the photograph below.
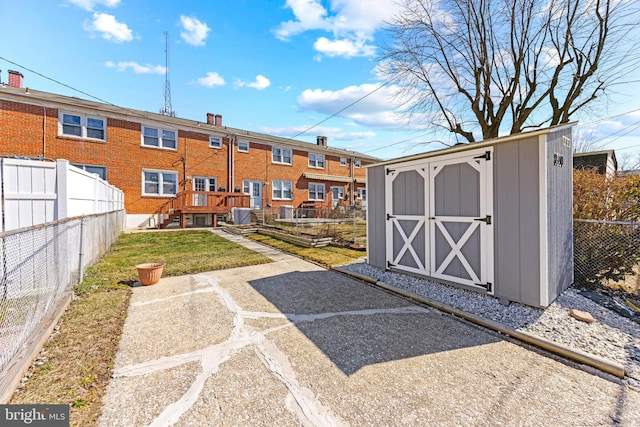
(123, 155)
(21, 133)
(258, 165)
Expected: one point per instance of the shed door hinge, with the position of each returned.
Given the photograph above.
(486, 156)
(486, 219)
(488, 286)
(389, 217)
(389, 265)
(390, 170)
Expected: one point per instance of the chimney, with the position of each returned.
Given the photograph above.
(209, 118)
(15, 79)
(218, 120)
(321, 141)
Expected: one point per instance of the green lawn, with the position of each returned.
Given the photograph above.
(327, 256)
(77, 362)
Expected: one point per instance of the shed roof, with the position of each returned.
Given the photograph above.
(596, 159)
(474, 145)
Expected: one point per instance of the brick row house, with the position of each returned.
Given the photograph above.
(154, 158)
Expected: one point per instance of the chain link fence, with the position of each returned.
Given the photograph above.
(607, 254)
(345, 224)
(40, 264)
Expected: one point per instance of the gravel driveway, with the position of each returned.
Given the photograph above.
(290, 343)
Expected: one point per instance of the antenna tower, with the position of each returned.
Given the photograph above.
(167, 110)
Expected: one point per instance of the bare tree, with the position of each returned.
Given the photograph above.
(583, 142)
(503, 66)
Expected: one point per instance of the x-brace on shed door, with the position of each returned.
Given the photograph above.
(439, 218)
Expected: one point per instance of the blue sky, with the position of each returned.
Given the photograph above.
(272, 66)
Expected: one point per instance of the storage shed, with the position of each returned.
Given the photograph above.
(493, 216)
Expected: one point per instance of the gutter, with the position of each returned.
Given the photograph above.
(579, 356)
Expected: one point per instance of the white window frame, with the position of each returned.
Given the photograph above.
(279, 186)
(357, 163)
(315, 160)
(278, 155)
(362, 194)
(343, 161)
(87, 167)
(160, 137)
(209, 182)
(241, 150)
(215, 145)
(83, 126)
(314, 191)
(160, 184)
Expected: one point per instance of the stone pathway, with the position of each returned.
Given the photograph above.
(290, 343)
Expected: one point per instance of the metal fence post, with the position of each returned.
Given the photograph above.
(81, 255)
(354, 225)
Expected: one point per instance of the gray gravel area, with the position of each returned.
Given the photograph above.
(611, 336)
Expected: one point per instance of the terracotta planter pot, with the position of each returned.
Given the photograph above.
(149, 274)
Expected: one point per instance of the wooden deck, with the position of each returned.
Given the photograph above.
(199, 202)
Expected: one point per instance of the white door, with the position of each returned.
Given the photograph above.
(439, 218)
(362, 194)
(202, 183)
(461, 210)
(337, 194)
(254, 189)
(406, 227)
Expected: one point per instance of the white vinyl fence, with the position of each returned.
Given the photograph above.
(36, 192)
(56, 221)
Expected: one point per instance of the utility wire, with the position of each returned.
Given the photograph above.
(133, 112)
(341, 110)
(59, 82)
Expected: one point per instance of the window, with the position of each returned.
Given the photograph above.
(281, 155)
(101, 171)
(316, 191)
(357, 163)
(204, 183)
(215, 142)
(362, 193)
(282, 190)
(161, 138)
(343, 161)
(316, 161)
(243, 146)
(82, 127)
(158, 183)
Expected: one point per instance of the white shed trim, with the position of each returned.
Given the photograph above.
(544, 232)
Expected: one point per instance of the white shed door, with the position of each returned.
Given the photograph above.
(439, 218)
(407, 213)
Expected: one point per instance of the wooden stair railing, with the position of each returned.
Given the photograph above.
(207, 202)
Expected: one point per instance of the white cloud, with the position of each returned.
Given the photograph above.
(90, 4)
(345, 48)
(332, 133)
(372, 106)
(194, 31)
(110, 28)
(351, 23)
(260, 83)
(212, 79)
(310, 15)
(137, 68)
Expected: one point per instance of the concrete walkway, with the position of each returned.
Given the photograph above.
(290, 343)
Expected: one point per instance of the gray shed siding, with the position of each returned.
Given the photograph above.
(517, 226)
(376, 220)
(559, 212)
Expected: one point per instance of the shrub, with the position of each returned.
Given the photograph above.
(607, 250)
